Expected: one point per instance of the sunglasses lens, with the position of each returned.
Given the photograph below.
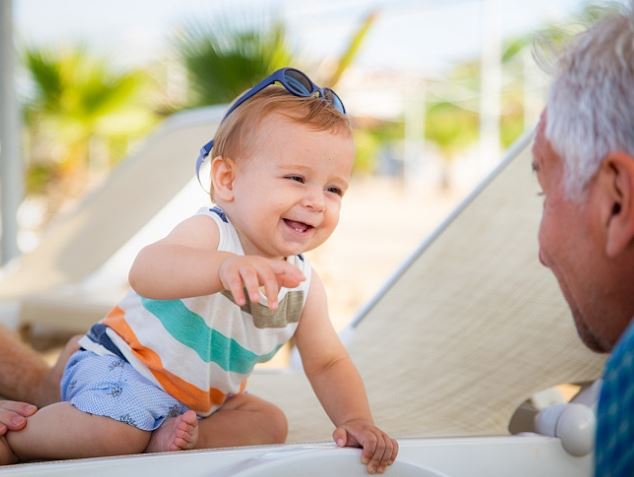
(335, 100)
(298, 83)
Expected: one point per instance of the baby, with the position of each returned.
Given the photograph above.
(167, 368)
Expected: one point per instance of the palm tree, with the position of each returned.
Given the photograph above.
(230, 54)
(78, 106)
(226, 56)
(354, 46)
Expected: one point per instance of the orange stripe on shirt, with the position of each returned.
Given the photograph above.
(192, 396)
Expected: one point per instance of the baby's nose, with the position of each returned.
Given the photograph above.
(315, 200)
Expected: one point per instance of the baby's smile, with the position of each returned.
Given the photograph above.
(298, 226)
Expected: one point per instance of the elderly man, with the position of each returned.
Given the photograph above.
(25, 376)
(584, 160)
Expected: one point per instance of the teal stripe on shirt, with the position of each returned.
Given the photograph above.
(212, 346)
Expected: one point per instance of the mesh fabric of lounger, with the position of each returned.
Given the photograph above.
(466, 331)
(47, 282)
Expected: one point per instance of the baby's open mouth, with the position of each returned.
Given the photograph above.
(297, 226)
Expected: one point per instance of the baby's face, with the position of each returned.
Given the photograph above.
(288, 192)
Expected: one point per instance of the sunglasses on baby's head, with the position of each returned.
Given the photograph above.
(295, 82)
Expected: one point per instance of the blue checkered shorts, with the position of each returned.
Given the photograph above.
(109, 386)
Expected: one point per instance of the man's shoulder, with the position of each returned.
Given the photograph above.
(615, 414)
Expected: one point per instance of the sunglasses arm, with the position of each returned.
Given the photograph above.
(204, 152)
(269, 80)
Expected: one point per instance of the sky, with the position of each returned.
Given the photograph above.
(410, 35)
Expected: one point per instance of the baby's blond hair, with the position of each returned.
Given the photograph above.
(234, 137)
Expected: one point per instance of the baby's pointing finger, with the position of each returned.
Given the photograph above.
(233, 283)
(250, 279)
(271, 287)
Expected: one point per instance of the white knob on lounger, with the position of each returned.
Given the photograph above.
(546, 420)
(575, 427)
(574, 424)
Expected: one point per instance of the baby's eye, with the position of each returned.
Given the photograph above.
(295, 178)
(335, 190)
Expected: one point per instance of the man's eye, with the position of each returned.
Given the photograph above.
(299, 179)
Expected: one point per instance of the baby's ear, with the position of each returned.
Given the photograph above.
(223, 172)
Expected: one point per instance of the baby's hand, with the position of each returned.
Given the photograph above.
(238, 272)
(379, 449)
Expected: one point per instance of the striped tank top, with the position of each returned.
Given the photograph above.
(201, 349)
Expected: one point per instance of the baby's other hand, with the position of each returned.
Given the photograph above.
(379, 449)
(251, 272)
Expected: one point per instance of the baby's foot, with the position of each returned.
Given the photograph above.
(176, 433)
(6, 455)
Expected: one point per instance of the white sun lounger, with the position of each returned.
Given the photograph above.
(462, 334)
(528, 456)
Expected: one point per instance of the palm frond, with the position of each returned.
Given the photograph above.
(228, 55)
(351, 52)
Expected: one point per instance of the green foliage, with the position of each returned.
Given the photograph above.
(78, 101)
(367, 147)
(450, 127)
(451, 122)
(79, 92)
(351, 52)
(370, 139)
(225, 57)
(39, 176)
(229, 54)
(513, 47)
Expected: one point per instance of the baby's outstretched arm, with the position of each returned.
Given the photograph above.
(338, 384)
(183, 264)
(187, 263)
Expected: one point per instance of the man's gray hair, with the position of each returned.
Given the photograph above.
(590, 110)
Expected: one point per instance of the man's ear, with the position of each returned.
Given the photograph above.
(223, 172)
(617, 190)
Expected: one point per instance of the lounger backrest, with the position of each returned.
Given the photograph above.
(78, 242)
(474, 324)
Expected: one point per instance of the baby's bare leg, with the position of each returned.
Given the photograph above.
(60, 431)
(6, 455)
(243, 420)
